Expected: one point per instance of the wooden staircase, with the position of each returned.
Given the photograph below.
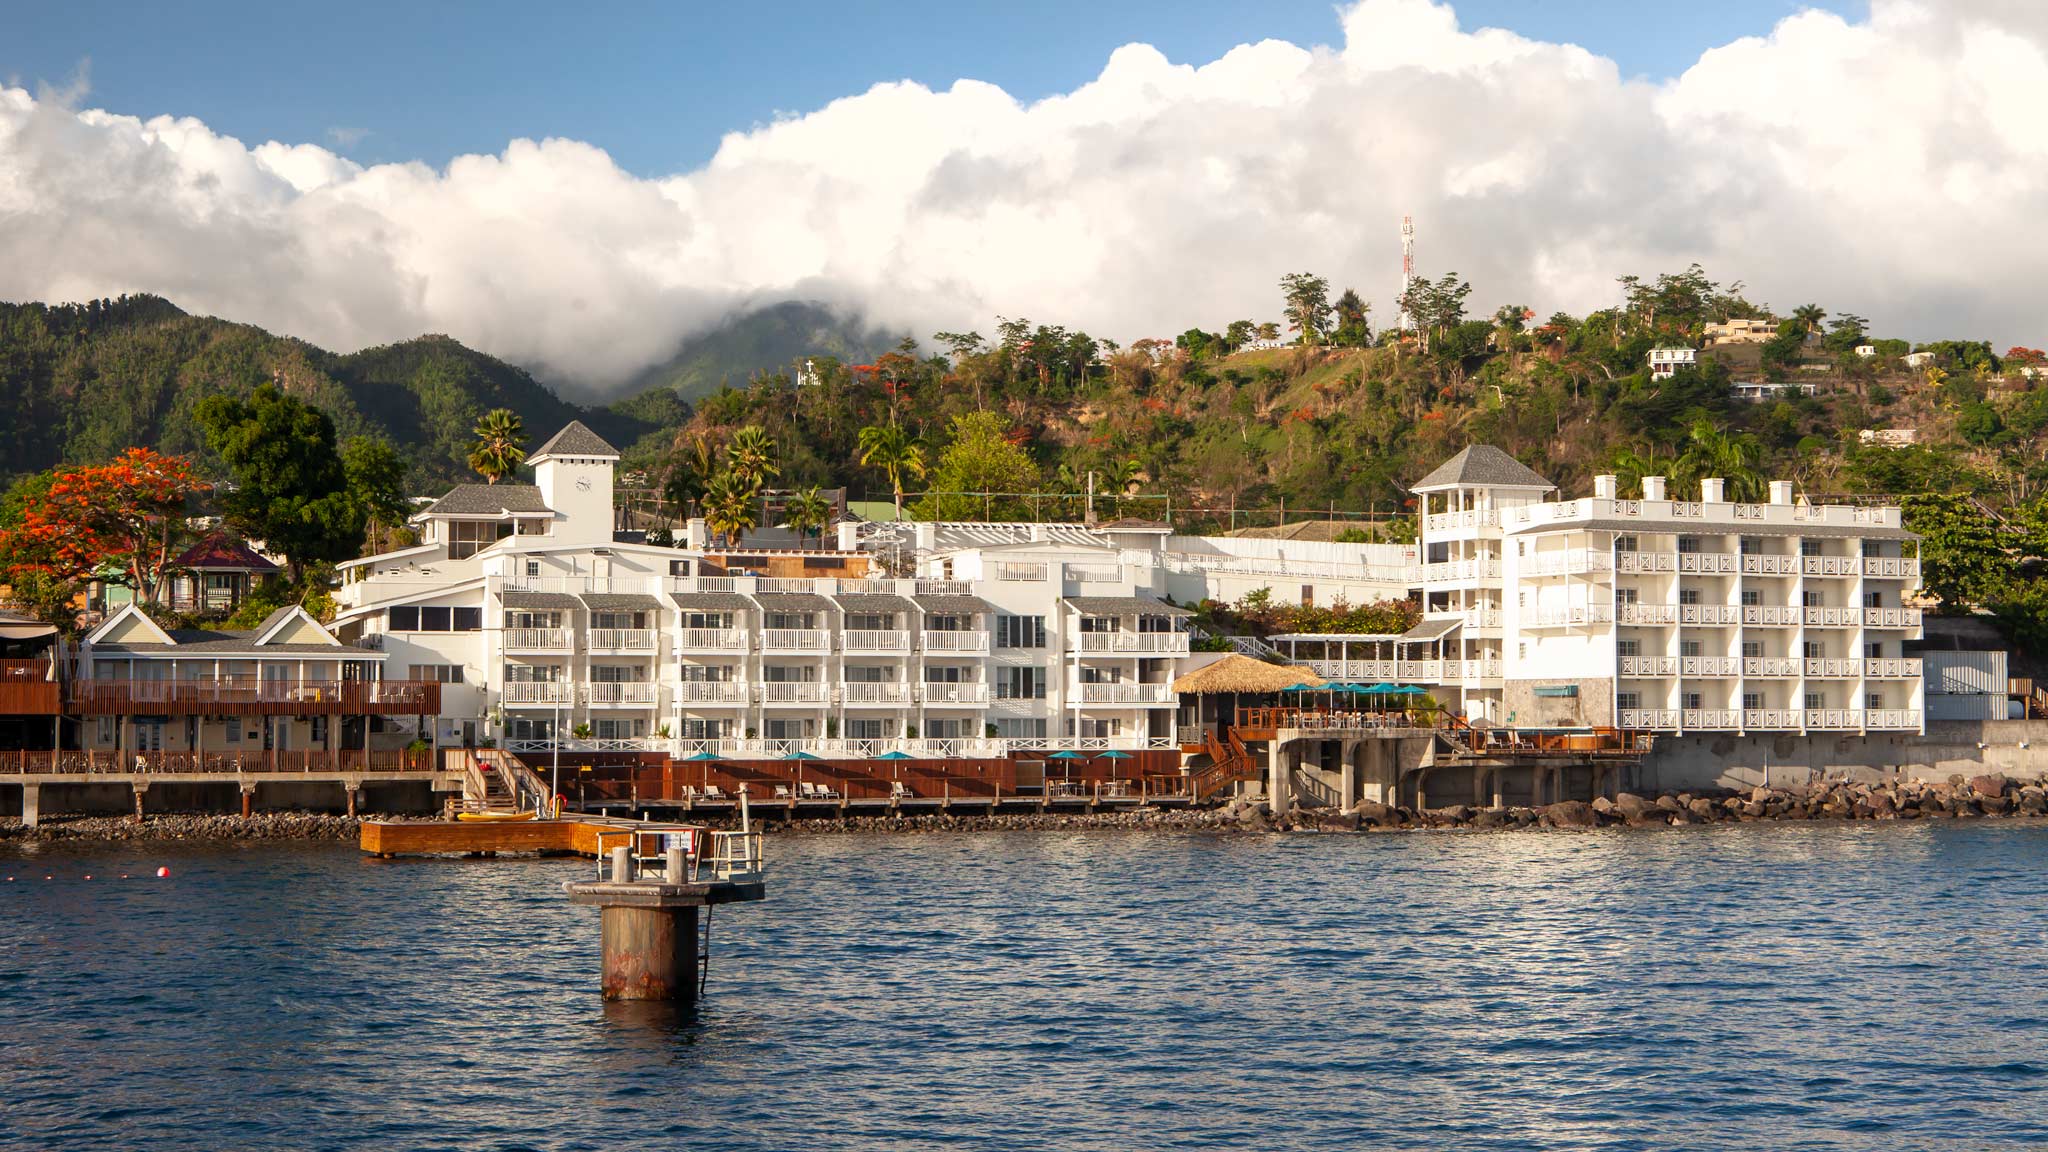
(1229, 764)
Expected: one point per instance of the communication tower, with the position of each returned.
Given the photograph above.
(1406, 321)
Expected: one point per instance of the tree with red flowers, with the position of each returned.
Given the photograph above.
(129, 513)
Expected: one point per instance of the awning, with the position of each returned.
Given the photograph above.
(16, 628)
(1557, 690)
(1430, 630)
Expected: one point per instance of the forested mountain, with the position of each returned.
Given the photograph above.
(81, 382)
(770, 339)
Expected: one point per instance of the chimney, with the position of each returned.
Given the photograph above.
(1653, 487)
(1604, 487)
(1781, 491)
(1711, 489)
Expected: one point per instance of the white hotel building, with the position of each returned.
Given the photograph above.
(543, 624)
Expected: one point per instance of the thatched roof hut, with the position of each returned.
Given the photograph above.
(1237, 673)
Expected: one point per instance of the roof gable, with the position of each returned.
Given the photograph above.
(489, 500)
(131, 625)
(1482, 466)
(574, 440)
(217, 552)
(293, 625)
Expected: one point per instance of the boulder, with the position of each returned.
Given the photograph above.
(1630, 805)
(1994, 805)
(1991, 784)
(1455, 814)
(1490, 818)
(1338, 821)
(1603, 805)
(1670, 803)
(1704, 809)
(1569, 814)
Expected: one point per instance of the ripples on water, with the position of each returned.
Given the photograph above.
(1765, 986)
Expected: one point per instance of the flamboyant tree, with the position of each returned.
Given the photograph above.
(128, 513)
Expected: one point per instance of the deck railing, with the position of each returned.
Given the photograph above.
(247, 695)
(301, 761)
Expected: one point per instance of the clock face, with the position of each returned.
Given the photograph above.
(583, 483)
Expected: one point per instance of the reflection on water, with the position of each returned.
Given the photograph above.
(1762, 986)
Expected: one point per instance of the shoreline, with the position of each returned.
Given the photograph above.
(1978, 797)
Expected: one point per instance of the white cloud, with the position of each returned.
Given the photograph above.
(1892, 167)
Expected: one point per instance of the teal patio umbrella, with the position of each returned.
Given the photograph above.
(1115, 756)
(1068, 754)
(802, 756)
(894, 755)
(701, 756)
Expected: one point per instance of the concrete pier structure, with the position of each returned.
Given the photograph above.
(649, 916)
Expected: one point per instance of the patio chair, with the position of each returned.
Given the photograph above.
(825, 792)
(711, 792)
(898, 789)
(782, 792)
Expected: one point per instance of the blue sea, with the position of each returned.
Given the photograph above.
(1763, 986)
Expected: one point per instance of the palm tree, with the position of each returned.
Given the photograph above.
(895, 451)
(688, 468)
(1810, 315)
(750, 458)
(500, 446)
(808, 511)
(1125, 476)
(1630, 466)
(1732, 456)
(729, 508)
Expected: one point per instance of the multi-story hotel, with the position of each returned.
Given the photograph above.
(1663, 614)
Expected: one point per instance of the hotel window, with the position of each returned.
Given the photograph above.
(522, 728)
(719, 621)
(466, 538)
(1816, 700)
(1688, 648)
(869, 674)
(946, 674)
(1751, 546)
(1752, 701)
(1020, 631)
(1688, 544)
(948, 729)
(1021, 728)
(1692, 702)
(702, 729)
(1752, 649)
(1809, 548)
(868, 729)
(789, 673)
(1812, 599)
(1101, 624)
(528, 620)
(1626, 544)
(619, 729)
(533, 567)
(789, 621)
(1627, 596)
(618, 620)
(1873, 700)
(788, 729)
(435, 673)
(1628, 648)
(1308, 596)
(1688, 595)
(1873, 650)
(617, 674)
(705, 673)
(945, 623)
(1101, 729)
(532, 673)
(1165, 623)
(870, 622)
(1752, 597)
(317, 726)
(1091, 674)
(1628, 701)
(1025, 683)
(1873, 599)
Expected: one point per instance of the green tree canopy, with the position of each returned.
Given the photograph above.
(290, 485)
(977, 471)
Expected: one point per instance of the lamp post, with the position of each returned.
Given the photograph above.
(555, 770)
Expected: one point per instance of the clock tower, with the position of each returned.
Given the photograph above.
(574, 473)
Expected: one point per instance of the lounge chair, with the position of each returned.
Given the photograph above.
(711, 792)
(782, 792)
(898, 789)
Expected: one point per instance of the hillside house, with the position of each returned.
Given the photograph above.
(1665, 362)
(1739, 332)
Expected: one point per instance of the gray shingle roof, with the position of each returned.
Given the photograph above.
(620, 602)
(712, 601)
(575, 440)
(793, 602)
(544, 601)
(874, 602)
(1125, 606)
(488, 500)
(1482, 466)
(955, 605)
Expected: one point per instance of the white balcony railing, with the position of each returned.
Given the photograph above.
(942, 692)
(1649, 666)
(1891, 668)
(1709, 666)
(1771, 668)
(1771, 718)
(1825, 669)
(710, 692)
(1831, 565)
(795, 640)
(875, 692)
(1772, 615)
(874, 640)
(1648, 613)
(1129, 643)
(1892, 567)
(621, 640)
(1453, 521)
(1708, 563)
(1568, 617)
(1451, 571)
(619, 692)
(712, 640)
(1645, 563)
(964, 642)
(1570, 562)
(1649, 719)
(1892, 719)
(1710, 614)
(1891, 618)
(1761, 564)
(538, 640)
(538, 692)
(945, 588)
(1124, 692)
(1711, 719)
(1833, 617)
(1834, 719)
(792, 692)
(785, 584)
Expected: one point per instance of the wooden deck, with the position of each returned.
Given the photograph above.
(572, 835)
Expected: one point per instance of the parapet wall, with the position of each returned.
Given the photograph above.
(2017, 748)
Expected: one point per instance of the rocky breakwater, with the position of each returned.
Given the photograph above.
(187, 826)
(1955, 799)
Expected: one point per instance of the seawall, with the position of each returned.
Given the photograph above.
(2017, 749)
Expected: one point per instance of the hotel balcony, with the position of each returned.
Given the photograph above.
(1714, 615)
(1891, 668)
(1708, 563)
(247, 696)
(940, 693)
(1572, 562)
(883, 693)
(699, 692)
(1835, 617)
(1787, 718)
(1128, 643)
(1649, 667)
(539, 640)
(786, 640)
(1710, 719)
(1710, 667)
(1771, 668)
(1831, 565)
(619, 693)
(639, 640)
(792, 692)
(1645, 563)
(1821, 669)
(964, 643)
(1892, 567)
(1647, 613)
(1123, 692)
(1567, 617)
(1438, 522)
(1772, 615)
(1456, 571)
(712, 640)
(543, 693)
(1762, 564)
(1891, 617)
(873, 640)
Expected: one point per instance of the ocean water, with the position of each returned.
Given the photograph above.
(1869, 986)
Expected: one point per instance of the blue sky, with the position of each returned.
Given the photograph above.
(656, 84)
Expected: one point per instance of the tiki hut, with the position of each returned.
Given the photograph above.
(1223, 686)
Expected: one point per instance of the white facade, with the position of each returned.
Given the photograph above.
(1668, 614)
(1664, 362)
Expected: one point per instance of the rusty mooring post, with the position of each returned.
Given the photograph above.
(649, 919)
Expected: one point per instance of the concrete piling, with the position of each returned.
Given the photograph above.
(650, 953)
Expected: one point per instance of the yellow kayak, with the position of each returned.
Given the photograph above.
(494, 817)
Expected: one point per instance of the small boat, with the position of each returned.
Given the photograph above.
(494, 817)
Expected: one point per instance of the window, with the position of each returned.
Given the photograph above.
(1816, 700)
(1873, 700)
(1522, 650)
(946, 674)
(1752, 597)
(1021, 727)
(532, 673)
(868, 729)
(1627, 596)
(1873, 651)
(832, 563)
(1628, 701)
(466, 538)
(869, 674)
(1692, 702)
(618, 620)
(870, 622)
(402, 620)
(1688, 545)
(1024, 683)
(1815, 650)
(1521, 547)
(1097, 624)
(533, 619)
(1628, 648)
(943, 623)
(1688, 648)
(1094, 675)
(1020, 631)
(1308, 595)
(789, 673)
(1811, 599)
(318, 728)
(787, 729)
(1752, 701)
(948, 729)
(789, 621)
(523, 728)
(618, 729)
(617, 674)
(435, 673)
(1688, 595)
(434, 620)
(533, 567)
(1625, 544)
(1165, 623)
(1751, 546)
(1809, 548)
(720, 621)
(705, 673)
(702, 729)
(1873, 599)
(1752, 649)
(1101, 729)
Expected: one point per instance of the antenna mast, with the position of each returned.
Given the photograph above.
(1406, 321)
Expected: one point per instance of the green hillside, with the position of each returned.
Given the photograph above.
(771, 339)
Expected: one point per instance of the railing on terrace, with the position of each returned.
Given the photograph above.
(1772, 718)
(874, 640)
(619, 692)
(1709, 666)
(785, 584)
(1647, 613)
(792, 692)
(1454, 570)
(1014, 572)
(1569, 616)
(954, 692)
(1891, 617)
(1771, 667)
(1572, 562)
(1833, 617)
(1092, 573)
(1713, 719)
(712, 640)
(1708, 563)
(710, 692)
(795, 640)
(1891, 668)
(966, 642)
(1649, 666)
(1710, 614)
(538, 640)
(1824, 669)
(875, 692)
(1162, 643)
(1469, 518)
(1772, 614)
(1892, 567)
(1764, 564)
(538, 692)
(945, 588)
(230, 693)
(1649, 718)
(1830, 565)
(70, 762)
(1320, 720)
(1645, 563)
(1124, 693)
(622, 640)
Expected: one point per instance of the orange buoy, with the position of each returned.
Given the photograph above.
(162, 872)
